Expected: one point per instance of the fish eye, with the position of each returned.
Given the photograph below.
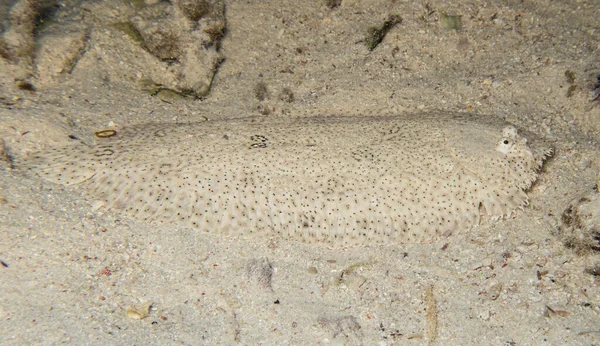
(506, 141)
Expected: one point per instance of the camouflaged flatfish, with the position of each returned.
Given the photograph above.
(338, 180)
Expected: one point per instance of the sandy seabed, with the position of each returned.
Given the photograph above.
(74, 272)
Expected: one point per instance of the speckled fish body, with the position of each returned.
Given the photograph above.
(336, 180)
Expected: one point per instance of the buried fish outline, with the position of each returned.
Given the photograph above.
(343, 181)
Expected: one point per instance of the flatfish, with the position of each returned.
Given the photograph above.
(338, 180)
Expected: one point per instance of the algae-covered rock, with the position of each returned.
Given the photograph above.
(187, 35)
(176, 44)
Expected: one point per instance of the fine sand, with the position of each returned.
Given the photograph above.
(72, 271)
